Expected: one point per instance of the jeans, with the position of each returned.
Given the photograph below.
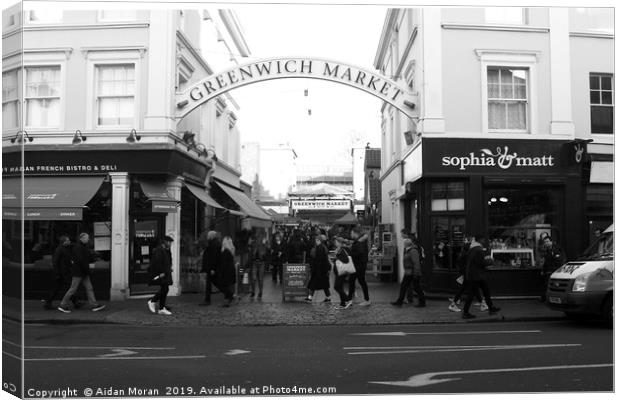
(276, 271)
(256, 276)
(161, 296)
(75, 283)
(61, 284)
(339, 288)
(408, 281)
(208, 286)
(360, 276)
(472, 288)
(461, 292)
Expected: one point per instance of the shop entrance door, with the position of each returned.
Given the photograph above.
(145, 231)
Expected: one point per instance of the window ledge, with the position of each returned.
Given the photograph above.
(495, 27)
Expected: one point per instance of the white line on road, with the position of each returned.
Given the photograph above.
(435, 349)
(428, 378)
(114, 358)
(235, 352)
(11, 343)
(100, 348)
(11, 355)
(441, 333)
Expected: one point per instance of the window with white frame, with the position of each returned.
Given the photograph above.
(505, 15)
(43, 88)
(10, 102)
(45, 15)
(602, 103)
(507, 95)
(118, 15)
(115, 94)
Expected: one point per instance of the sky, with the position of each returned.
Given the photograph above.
(276, 112)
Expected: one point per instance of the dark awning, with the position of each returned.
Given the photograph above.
(202, 195)
(48, 198)
(246, 204)
(157, 193)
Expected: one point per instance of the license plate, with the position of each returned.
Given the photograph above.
(555, 300)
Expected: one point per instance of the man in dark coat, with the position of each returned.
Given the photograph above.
(278, 257)
(210, 262)
(319, 270)
(412, 274)
(80, 272)
(161, 275)
(61, 262)
(359, 254)
(554, 258)
(477, 262)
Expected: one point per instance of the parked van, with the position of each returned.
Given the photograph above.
(586, 286)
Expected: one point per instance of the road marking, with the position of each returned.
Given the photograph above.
(428, 378)
(100, 347)
(11, 355)
(115, 358)
(235, 352)
(11, 343)
(119, 353)
(437, 349)
(441, 333)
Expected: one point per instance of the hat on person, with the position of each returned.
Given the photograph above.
(168, 239)
(407, 243)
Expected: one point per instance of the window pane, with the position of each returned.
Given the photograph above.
(506, 76)
(606, 82)
(520, 76)
(516, 115)
(456, 190)
(456, 204)
(108, 112)
(493, 91)
(438, 191)
(9, 115)
(521, 92)
(506, 92)
(594, 82)
(606, 98)
(439, 205)
(126, 111)
(595, 97)
(492, 75)
(497, 115)
(42, 81)
(602, 119)
(9, 85)
(42, 112)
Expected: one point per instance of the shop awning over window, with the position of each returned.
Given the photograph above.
(157, 193)
(48, 198)
(203, 196)
(246, 204)
(602, 172)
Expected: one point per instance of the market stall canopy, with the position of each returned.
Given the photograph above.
(322, 189)
(247, 206)
(347, 219)
(48, 198)
(203, 196)
(157, 193)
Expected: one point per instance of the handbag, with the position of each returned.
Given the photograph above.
(345, 268)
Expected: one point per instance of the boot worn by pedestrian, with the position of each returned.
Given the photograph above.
(493, 310)
(468, 315)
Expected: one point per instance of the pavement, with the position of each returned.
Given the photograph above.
(272, 311)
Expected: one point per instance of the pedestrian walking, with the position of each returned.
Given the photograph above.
(258, 259)
(278, 258)
(413, 274)
(81, 257)
(227, 273)
(553, 258)
(475, 274)
(456, 300)
(343, 256)
(160, 271)
(319, 269)
(296, 249)
(359, 254)
(61, 263)
(210, 262)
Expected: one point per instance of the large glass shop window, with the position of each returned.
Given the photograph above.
(518, 220)
(448, 240)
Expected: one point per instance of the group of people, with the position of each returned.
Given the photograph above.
(71, 264)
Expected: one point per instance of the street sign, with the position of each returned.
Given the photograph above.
(295, 280)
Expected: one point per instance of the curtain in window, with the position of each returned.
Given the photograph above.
(115, 89)
(43, 82)
(43, 112)
(9, 115)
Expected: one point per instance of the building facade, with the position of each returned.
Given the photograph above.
(515, 143)
(272, 170)
(90, 100)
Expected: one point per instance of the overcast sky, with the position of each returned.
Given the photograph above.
(276, 111)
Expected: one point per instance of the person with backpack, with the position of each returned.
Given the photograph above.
(413, 274)
(160, 270)
(343, 256)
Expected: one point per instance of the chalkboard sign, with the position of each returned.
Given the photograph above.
(295, 280)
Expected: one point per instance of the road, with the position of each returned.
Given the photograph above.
(453, 358)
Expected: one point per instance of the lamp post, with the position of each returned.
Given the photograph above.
(374, 215)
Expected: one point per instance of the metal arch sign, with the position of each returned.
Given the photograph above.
(214, 85)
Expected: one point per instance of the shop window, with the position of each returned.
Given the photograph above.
(507, 98)
(115, 95)
(602, 103)
(10, 103)
(505, 15)
(448, 241)
(518, 219)
(448, 196)
(43, 96)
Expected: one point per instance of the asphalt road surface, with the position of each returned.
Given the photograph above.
(126, 361)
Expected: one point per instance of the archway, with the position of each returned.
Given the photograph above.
(394, 93)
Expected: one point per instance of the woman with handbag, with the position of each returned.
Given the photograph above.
(227, 274)
(343, 268)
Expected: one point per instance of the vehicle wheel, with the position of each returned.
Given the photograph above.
(608, 309)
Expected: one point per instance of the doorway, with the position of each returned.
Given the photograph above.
(144, 233)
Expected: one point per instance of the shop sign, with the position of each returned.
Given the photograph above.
(484, 156)
(43, 214)
(145, 233)
(320, 204)
(164, 206)
(295, 280)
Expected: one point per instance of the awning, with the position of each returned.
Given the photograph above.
(246, 204)
(202, 195)
(602, 172)
(48, 198)
(158, 195)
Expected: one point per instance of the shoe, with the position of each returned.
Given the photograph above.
(204, 303)
(151, 305)
(468, 316)
(98, 307)
(327, 300)
(420, 305)
(397, 303)
(493, 310)
(164, 311)
(66, 310)
(365, 303)
(348, 304)
(483, 306)
(454, 308)
(308, 300)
